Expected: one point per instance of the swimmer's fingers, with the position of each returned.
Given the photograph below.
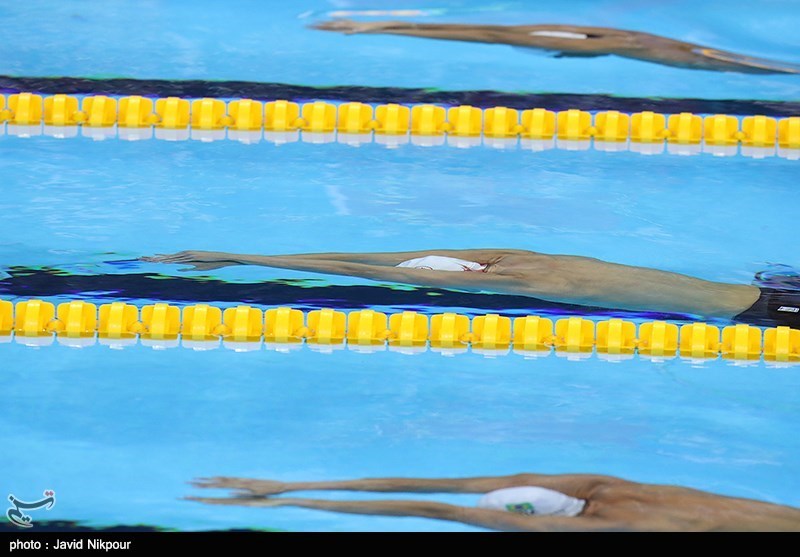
(241, 501)
(343, 25)
(183, 257)
(259, 487)
(215, 482)
(350, 27)
(163, 260)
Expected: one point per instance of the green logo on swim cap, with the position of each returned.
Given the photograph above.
(521, 508)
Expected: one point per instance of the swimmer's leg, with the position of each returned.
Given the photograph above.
(574, 485)
(484, 518)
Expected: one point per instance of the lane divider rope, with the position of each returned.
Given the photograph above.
(134, 117)
(79, 323)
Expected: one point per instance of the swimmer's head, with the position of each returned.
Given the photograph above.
(532, 500)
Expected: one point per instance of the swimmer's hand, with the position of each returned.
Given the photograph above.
(350, 27)
(198, 260)
(243, 501)
(246, 486)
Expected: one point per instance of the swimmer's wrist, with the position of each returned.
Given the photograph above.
(245, 259)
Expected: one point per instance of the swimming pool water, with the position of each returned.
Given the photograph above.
(99, 201)
(118, 433)
(268, 41)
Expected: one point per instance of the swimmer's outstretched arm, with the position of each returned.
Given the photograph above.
(382, 271)
(484, 518)
(574, 40)
(224, 259)
(558, 278)
(483, 256)
(574, 485)
(505, 34)
(613, 503)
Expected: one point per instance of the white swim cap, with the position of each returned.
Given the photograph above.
(532, 500)
(442, 263)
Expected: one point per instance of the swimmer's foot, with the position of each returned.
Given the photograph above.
(252, 487)
(350, 27)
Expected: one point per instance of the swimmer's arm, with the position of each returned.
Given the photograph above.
(482, 256)
(370, 258)
(502, 34)
(381, 272)
(557, 37)
(631, 44)
(574, 485)
(418, 277)
(483, 518)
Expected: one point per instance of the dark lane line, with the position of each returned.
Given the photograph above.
(481, 99)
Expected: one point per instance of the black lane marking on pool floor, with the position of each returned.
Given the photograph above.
(41, 283)
(74, 526)
(482, 99)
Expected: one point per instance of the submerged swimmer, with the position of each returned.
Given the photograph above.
(531, 502)
(575, 41)
(555, 278)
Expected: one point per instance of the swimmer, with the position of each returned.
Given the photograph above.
(530, 502)
(575, 41)
(555, 278)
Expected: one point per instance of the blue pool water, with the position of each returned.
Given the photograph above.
(118, 433)
(267, 41)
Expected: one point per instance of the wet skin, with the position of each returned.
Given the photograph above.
(575, 41)
(555, 278)
(612, 504)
